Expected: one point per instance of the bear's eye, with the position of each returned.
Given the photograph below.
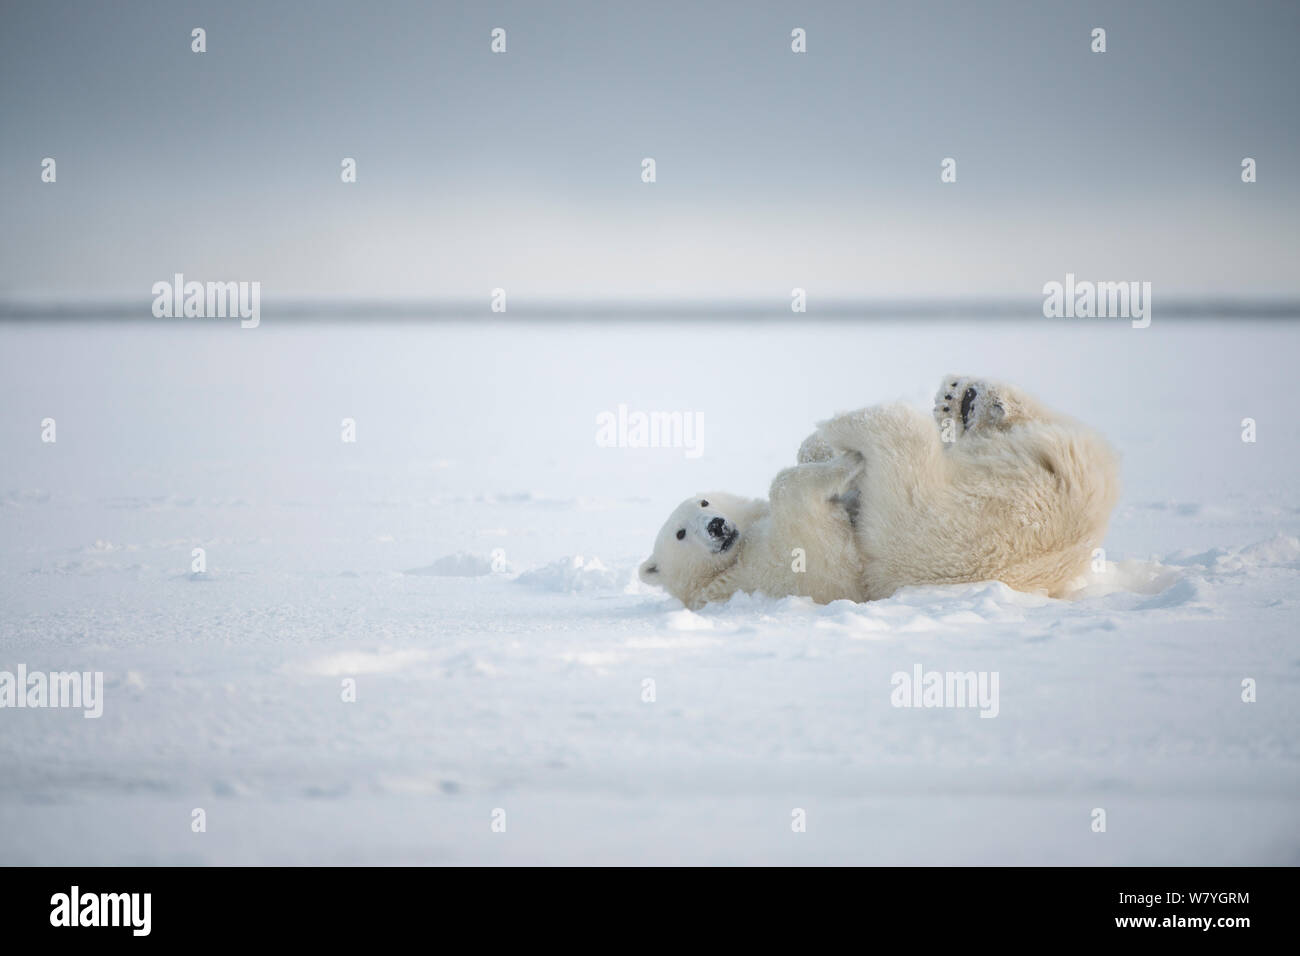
(704, 504)
(681, 534)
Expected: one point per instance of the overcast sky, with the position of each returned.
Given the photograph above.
(523, 170)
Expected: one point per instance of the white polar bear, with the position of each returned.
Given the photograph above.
(1003, 490)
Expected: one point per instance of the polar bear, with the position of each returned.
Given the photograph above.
(800, 541)
(1004, 489)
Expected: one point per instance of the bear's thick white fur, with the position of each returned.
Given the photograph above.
(1002, 489)
(805, 524)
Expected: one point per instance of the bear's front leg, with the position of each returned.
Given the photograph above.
(813, 548)
(818, 482)
(814, 448)
(881, 433)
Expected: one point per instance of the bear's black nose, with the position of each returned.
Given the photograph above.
(715, 528)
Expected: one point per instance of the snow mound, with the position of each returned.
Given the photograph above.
(941, 608)
(1130, 576)
(958, 608)
(571, 574)
(462, 564)
(1279, 551)
(1185, 592)
(687, 620)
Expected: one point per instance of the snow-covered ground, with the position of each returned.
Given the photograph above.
(520, 688)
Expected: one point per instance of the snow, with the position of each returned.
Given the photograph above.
(470, 562)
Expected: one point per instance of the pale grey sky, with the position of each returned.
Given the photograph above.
(522, 170)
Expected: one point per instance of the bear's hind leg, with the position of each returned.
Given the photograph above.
(965, 404)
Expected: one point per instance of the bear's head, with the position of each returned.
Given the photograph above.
(701, 539)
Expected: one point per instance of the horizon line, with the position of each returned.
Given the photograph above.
(299, 307)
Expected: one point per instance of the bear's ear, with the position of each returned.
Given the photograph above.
(649, 571)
